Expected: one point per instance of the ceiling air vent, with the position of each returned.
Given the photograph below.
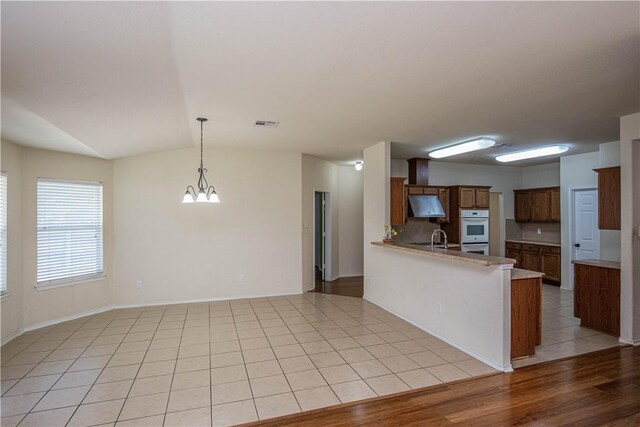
(266, 124)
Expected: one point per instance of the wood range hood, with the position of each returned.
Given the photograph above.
(418, 171)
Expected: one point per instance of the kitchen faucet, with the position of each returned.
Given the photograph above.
(446, 242)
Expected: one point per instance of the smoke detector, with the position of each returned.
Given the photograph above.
(266, 124)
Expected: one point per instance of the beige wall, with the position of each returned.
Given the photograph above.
(350, 219)
(194, 251)
(41, 306)
(12, 304)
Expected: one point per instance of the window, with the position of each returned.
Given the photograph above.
(69, 231)
(3, 233)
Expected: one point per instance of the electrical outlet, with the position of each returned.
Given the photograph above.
(138, 284)
(242, 277)
(539, 231)
(439, 307)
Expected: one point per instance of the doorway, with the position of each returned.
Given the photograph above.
(322, 236)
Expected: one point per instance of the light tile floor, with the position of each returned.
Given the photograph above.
(562, 335)
(218, 363)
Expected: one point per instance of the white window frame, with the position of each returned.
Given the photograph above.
(4, 230)
(81, 278)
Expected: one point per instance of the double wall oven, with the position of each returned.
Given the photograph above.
(474, 231)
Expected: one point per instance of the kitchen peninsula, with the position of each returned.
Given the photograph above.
(462, 298)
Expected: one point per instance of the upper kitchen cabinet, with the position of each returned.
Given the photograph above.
(537, 205)
(398, 206)
(472, 197)
(609, 198)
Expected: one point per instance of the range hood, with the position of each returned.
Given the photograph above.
(426, 206)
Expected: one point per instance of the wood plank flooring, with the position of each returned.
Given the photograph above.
(346, 286)
(595, 389)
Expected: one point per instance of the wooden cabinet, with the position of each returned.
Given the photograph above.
(522, 208)
(537, 205)
(482, 198)
(609, 198)
(597, 297)
(472, 197)
(554, 204)
(526, 316)
(443, 195)
(545, 259)
(398, 205)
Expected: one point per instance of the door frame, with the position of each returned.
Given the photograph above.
(572, 231)
(327, 236)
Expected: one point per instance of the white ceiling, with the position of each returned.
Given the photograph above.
(115, 79)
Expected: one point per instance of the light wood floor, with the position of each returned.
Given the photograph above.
(600, 388)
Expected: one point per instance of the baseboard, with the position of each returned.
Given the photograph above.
(67, 318)
(121, 306)
(475, 356)
(629, 342)
(16, 334)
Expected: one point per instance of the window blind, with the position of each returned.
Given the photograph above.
(69, 231)
(3, 232)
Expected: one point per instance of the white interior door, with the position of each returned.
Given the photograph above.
(586, 236)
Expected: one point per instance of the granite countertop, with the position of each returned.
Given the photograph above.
(598, 263)
(533, 242)
(454, 255)
(518, 273)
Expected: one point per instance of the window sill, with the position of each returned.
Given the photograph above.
(70, 283)
(4, 296)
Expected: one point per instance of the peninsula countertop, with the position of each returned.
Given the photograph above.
(454, 255)
(518, 274)
(598, 263)
(534, 242)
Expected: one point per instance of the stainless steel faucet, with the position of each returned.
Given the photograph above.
(433, 235)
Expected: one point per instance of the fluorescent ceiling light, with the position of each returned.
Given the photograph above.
(536, 152)
(465, 147)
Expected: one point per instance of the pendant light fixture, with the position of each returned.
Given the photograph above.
(206, 193)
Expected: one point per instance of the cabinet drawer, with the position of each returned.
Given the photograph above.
(414, 190)
(531, 248)
(512, 245)
(550, 250)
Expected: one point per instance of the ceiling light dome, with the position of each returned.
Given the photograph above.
(358, 166)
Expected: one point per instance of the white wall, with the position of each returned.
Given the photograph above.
(39, 306)
(575, 171)
(630, 223)
(610, 239)
(12, 304)
(194, 251)
(350, 211)
(541, 176)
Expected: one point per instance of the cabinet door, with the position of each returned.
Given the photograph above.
(551, 266)
(554, 205)
(467, 198)
(515, 254)
(482, 198)
(397, 201)
(531, 260)
(443, 195)
(609, 198)
(522, 206)
(540, 206)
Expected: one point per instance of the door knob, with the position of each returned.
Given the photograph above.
(577, 245)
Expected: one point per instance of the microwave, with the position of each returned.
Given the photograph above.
(474, 226)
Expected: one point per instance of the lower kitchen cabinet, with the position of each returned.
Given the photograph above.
(596, 297)
(545, 259)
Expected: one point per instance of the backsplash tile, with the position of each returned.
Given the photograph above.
(528, 231)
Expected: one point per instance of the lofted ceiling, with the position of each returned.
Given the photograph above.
(116, 79)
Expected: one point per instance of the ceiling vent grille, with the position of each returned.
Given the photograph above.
(266, 124)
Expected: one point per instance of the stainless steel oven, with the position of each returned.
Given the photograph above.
(474, 226)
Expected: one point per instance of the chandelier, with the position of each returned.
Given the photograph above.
(206, 193)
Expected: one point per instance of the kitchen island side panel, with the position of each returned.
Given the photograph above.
(464, 304)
